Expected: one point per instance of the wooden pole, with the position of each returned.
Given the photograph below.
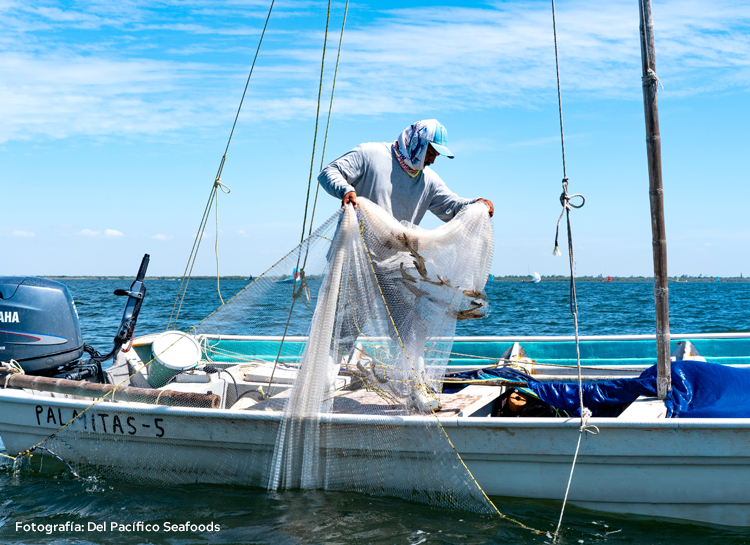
(656, 197)
(122, 393)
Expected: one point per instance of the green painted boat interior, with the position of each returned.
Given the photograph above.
(239, 351)
(638, 353)
(624, 352)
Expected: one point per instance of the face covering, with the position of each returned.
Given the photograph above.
(411, 145)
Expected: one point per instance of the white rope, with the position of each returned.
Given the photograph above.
(567, 206)
(585, 428)
(650, 73)
(224, 189)
(651, 76)
(13, 368)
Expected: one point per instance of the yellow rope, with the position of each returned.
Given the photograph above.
(460, 459)
(28, 451)
(307, 198)
(317, 119)
(111, 392)
(330, 108)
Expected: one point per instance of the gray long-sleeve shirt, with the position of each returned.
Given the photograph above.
(373, 171)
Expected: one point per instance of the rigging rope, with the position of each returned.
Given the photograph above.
(312, 163)
(328, 123)
(567, 205)
(182, 290)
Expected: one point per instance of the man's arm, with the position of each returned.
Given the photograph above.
(445, 204)
(340, 176)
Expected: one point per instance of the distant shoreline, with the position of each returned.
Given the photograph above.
(672, 279)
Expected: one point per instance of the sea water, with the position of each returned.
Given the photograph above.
(244, 515)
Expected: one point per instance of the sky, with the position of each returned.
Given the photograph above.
(114, 117)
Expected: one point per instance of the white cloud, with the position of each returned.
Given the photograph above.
(161, 237)
(242, 233)
(89, 233)
(493, 55)
(23, 234)
(112, 233)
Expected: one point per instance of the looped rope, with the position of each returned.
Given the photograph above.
(224, 188)
(651, 77)
(585, 428)
(565, 199)
(12, 368)
(567, 206)
(182, 290)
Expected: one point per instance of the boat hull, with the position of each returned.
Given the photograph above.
(697, 470)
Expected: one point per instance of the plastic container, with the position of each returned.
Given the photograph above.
(173, 352)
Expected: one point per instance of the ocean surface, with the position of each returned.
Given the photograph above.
(245, 515)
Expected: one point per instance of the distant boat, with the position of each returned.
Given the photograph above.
(294, 277)
(609, 279)
(537, 278)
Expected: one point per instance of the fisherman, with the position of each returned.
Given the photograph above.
(396, 176)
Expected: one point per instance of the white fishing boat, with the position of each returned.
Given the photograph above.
(640, 462)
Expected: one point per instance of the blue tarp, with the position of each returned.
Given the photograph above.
(699, 390)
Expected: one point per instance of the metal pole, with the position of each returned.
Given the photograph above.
(656, 197)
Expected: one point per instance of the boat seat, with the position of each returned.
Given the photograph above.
(644, 408)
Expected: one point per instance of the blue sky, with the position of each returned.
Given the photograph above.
(114, 117)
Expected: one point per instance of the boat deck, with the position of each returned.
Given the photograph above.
(471, 401)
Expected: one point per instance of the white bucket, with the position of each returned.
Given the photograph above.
(173, 352)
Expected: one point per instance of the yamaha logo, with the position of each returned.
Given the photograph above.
(9, 317)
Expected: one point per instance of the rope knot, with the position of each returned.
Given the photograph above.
(565, 199)
(224, 189)
(12, 367)
(585, 428)
(651, 77)
(567, 206)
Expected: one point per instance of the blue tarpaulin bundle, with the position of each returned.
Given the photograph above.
(699, 390)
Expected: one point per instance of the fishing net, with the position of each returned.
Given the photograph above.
(329, 378)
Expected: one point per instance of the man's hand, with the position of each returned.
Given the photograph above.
(485, 201)
(351, 197)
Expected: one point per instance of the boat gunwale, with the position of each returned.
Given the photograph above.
(23, 397)
(491, 338)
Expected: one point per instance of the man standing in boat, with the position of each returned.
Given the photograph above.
(396, 176)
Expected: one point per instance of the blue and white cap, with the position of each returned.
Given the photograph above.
(411, 145)
(440, 140)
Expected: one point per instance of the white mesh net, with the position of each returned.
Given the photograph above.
(356, 405)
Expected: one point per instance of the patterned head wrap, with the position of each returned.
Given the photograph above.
(411, 145)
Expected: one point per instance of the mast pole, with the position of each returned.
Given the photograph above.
(656, 197)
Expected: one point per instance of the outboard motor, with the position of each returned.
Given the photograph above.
(39, 326)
